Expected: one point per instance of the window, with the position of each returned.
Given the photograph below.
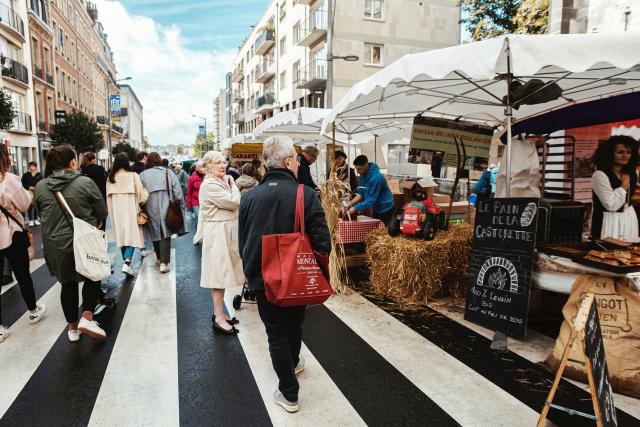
(373, 54)
(296, 33)
(283, 10)
(283, 46)
(398, 164)
(283, 80)
(295, 72)
(373, 9)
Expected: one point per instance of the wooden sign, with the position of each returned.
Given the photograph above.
(587, 329)
(504, 239)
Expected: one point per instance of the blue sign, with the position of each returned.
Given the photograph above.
(115, 105)
(201, 131)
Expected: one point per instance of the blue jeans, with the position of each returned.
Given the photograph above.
(127, 252)
(196, 212)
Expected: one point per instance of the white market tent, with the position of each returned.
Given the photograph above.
(470, 82)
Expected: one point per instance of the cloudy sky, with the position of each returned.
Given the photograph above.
(178, 52)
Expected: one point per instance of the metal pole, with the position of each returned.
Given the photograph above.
(206, 142)
(509, 114)
(109, 137)
(328, 93)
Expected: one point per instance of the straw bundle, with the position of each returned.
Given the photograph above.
(414, 270)
(332, 191)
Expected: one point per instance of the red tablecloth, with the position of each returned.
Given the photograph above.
(356, 231)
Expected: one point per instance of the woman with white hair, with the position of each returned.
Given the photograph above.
(221, 263)
(308, 157)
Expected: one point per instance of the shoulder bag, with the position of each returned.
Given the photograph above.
(28, 234)
(90, 252)
(174, 219)
(293, 274)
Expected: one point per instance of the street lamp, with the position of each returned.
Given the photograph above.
(328, 94)
(205, 130)
(115, 82)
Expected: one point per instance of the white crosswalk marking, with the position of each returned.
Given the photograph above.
(33, 266)
(321, 402)
(140, 386)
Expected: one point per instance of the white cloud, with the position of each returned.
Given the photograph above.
(171, 80)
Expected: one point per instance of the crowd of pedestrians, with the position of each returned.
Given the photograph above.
(232, 204)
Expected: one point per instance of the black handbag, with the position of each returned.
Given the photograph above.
(175, 218)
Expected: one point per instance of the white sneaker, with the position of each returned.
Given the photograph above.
(41, 309)
(282, 401)
(126, 269)
(37, 222)
(164, 268)
(74, 336)
(145, 253)
(4, 333)
(91, 328)
(31, 223)
(300, 365)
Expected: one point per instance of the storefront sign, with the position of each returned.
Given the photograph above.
(501, 263)
(594, 349)
(435, 139)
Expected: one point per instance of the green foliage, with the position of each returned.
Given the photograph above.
(7, 111)
(147, 144)
(490, 18)
(202, 144)
(78, 130)
(125, 147)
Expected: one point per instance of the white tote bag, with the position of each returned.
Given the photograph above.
(89, 248)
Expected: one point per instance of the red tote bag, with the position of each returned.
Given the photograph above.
(290, 269)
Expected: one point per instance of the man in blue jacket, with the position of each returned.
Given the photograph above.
(373, 191)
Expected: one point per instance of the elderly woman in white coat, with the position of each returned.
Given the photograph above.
(125, 194)
(221, 263)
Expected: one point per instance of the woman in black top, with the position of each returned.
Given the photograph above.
(90, 168)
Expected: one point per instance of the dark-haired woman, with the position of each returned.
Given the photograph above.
(125, 194)
(613, 183)
(14, 242)
(163, 186)
(86, 203)
(93, 170)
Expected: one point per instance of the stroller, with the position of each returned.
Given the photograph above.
(248, 296)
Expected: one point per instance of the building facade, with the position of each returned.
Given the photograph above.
(131, 118)
(283, 63)
(16, 79)
(593, 16)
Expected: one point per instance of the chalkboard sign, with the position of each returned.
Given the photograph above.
(501, 262)
(594, 349)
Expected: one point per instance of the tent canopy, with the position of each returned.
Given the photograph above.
(470, 81)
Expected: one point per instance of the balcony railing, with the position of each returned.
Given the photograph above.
(313, 29)
(265, 101)
(102, 120)
(11, 19)
(49, 79)
(38, 8)
(238, 74)
(15, 70)
(264, 42)
(117, 129)
(38, 72)
(43, 127)
(265, 71)
(313, 76)
(22, 122)
(238, 116)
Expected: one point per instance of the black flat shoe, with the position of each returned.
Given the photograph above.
(221, 330)
(233, 321)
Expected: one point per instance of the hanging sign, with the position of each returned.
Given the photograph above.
(504, 239)
(435, 139)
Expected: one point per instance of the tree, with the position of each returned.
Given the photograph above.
(202, 144)
(125, 147)
(490, 18)
(147, 144)
(7, 110)
(78, 130)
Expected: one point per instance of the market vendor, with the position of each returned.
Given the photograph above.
(308, 157)
(613, 183)
(343, 171)
(373, 191)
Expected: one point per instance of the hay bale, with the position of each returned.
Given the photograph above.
(415, 270)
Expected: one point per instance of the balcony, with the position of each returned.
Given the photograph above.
(264, 42)
(15, 70)
(305, 2)
(102, 120)
(238, 116)
(238, 98)
(49, 79)
(238, 74)
(117, 129)
(38, 72)
(43, 127)
(314, 29)
(264, 104)
(39, 9)
(22, 123)
(266, 71)
(11, 19)
(313, 76)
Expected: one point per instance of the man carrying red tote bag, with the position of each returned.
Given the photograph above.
(290, 270)
(270, 210)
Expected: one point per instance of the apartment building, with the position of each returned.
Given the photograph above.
(44, 91)
(131, 117)
(21, 138)
(220, 111)
(593, 16)
(283, 62)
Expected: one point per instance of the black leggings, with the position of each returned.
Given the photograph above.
(163, 250)
(18, 256)
(91, 293)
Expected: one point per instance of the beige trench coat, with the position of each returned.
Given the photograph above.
(124, 198)
(221, 263)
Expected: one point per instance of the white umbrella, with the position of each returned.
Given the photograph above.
(470, 81)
